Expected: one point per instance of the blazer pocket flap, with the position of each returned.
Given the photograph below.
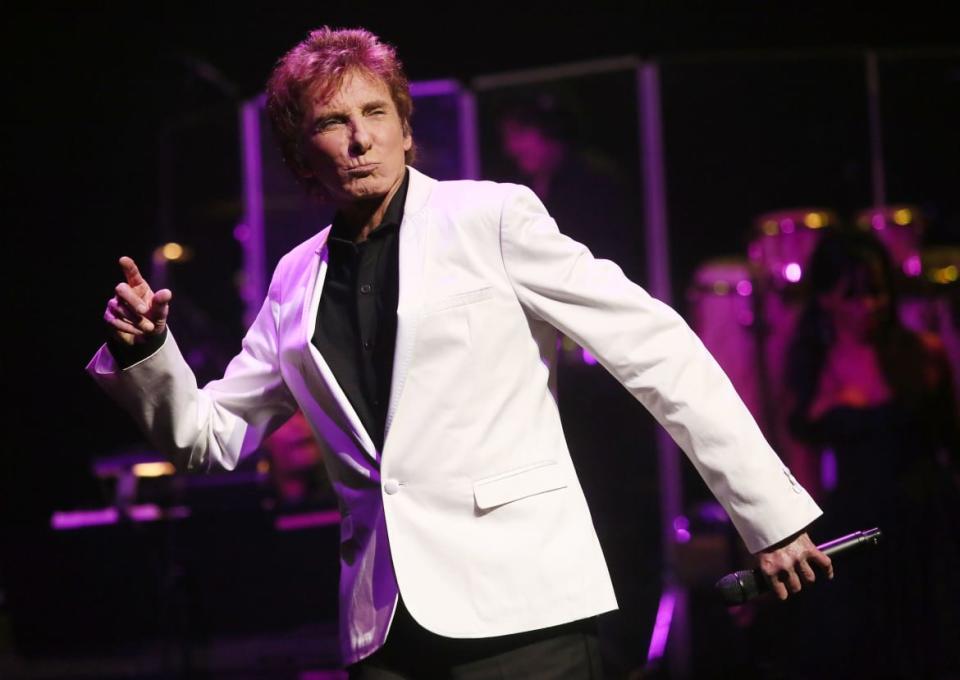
(458, 300)
(513, 485)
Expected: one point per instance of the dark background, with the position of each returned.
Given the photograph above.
(112, 109)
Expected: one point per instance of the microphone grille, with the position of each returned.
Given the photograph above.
(738, 587)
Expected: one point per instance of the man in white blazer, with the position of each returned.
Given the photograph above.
(466, 504)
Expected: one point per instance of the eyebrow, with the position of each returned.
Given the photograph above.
(334, 113)
(376, 104)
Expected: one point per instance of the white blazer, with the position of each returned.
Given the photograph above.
(472, 509)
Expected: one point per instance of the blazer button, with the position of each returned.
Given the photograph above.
(391, 486)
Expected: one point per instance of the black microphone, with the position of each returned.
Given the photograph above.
(740, 586)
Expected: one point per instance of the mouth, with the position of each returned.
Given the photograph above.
(364, 170)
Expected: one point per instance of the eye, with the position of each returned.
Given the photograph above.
(326, 124)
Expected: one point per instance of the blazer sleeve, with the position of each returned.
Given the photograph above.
(648, 347)
(210, 427)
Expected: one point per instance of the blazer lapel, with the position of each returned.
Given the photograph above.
(413, 232)
(311, 307)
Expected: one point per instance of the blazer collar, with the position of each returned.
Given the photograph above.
(418, 192)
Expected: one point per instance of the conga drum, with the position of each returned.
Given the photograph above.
(900, 228)
(784, 241)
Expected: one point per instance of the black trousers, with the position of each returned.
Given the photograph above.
(566, 652)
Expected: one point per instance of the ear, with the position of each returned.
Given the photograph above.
(407, 138)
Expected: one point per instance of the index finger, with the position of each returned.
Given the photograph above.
(131, 272)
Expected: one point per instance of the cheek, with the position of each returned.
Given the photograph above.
(320, 156)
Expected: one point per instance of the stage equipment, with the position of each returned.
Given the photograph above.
(784, 241)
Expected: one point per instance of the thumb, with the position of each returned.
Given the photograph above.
(160, 307)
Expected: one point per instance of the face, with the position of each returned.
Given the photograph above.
(354, 141)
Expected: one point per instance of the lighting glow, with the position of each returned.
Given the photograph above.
(792, 272)
(588, 358)
(903, 217)
(828, 470)
(944, 275)
(787, 226)
(661, 626)
(681, 529)
(158, 469)
(912, 266)
(172, 251)
(815, 220)
(771, 228)
(62, 521)
(307, 520)
(744, 288)
(81, 519)
(721, 287)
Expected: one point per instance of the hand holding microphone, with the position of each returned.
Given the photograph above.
(740, 586)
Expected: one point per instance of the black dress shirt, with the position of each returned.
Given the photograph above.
(357, 316)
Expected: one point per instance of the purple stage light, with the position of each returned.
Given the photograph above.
(308, 520)
(828, 470)
(792, 272)
(912, 266)
(80, 519)
(681, 529)
(661, 627)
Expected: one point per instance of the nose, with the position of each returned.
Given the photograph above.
(360, 139)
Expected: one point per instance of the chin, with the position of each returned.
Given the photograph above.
(369, 191)
(374, 186)
(359, 190)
